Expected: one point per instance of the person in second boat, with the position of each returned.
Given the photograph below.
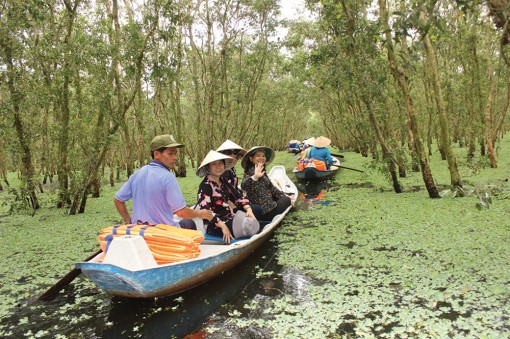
(321, 152)
(307, 147)
(215, 193)
(266, 199)
(294, 146)
(235, 151)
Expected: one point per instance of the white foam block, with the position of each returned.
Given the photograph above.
(129, 252)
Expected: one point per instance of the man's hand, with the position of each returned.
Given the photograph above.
(205, 214)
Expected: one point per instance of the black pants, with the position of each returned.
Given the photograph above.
(281, 205)
(188, 224)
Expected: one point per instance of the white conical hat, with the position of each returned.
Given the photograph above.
(321, 142)
(228, 145)
(309, 141)
(213, 156)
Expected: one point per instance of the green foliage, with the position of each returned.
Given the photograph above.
(370, 263)
(17, 201)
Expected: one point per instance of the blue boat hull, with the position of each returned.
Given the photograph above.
(311, 173)
(169, 279)
(166, 279)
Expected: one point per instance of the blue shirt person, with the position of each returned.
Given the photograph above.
(155, 192)
(320, 151)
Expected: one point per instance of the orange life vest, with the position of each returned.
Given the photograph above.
(167, 243)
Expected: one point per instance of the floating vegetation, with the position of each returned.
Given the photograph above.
(394, 265)
(372, 263)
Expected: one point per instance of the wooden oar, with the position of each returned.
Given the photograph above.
(352, 169)
(337, 155)
(66, 280)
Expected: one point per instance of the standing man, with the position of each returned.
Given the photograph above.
(155, 192)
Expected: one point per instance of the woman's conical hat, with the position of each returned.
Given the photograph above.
(228, 145)
(309, 141)
(211, 157)
(268, 150)
(321, 142)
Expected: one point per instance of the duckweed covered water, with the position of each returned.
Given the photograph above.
(361, 261)
(380, 264)
(395, 267)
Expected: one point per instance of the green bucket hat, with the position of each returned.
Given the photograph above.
(165, 140)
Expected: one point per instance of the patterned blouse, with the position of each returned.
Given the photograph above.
(231, 177)
(261, 192)
(214, 197)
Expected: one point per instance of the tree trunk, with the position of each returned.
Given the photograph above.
(128, 146)
(386, 150)
(402, 80)
(96, 187)
(503, 111)
(193, 57)
(105, 129)
(180, 169)
(28, 171)
(64, 118)
(488, 119)
(111, 176)
(443, 119)
(83, 201)
(3, 165)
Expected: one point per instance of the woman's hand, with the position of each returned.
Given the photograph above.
(227, 236)
(292, 203)
(259, 171)
(249, 213)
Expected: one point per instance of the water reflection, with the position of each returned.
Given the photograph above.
(188, 312)
(259, 295)
(84, 311)
(314, 192)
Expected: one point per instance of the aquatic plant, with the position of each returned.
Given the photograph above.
(369, 263)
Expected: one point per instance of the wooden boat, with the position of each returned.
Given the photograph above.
(310, 172)
(214, 259)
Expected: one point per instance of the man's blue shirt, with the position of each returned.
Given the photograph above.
(156, 195)
(321, 154)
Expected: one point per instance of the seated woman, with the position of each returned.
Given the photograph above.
(215, 193)
(235, 151)
(267, 200)
(320, 151)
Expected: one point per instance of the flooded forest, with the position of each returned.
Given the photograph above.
(408, 239)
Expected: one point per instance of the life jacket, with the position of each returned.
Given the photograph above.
(167, 243)
(319, 165)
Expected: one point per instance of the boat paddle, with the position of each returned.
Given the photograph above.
(66, 280)
(337, 155)
(352, 169)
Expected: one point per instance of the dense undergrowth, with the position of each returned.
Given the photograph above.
(382, 264)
